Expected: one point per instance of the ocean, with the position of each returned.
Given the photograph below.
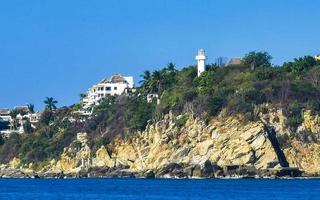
(137, 189)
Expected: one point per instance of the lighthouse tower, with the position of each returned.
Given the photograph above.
(201, 61)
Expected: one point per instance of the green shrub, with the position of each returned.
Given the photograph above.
(46, 117)
(215, 104)
(294, 114)
(182, 121)
(139, 112)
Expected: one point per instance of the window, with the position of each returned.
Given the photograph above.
(115, 88)
(108, 88)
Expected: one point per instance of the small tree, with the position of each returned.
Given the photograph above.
(27, 127)
(138, 114)
(13, 115)
(46, 117)
(257, 59)
(314, 76)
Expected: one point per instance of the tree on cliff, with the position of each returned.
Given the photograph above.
(171, 67)
(50, 103)
(314, 76)
(156, 81)
(300, 65)
(257, 59)
(145, 77)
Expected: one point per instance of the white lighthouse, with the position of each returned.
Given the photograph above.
(201, 61)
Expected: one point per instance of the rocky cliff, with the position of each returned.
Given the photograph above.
(226, 146)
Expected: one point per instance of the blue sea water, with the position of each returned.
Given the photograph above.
(137, 189)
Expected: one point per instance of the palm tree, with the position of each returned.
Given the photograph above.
(157, 79)
(170, 74)
(31, 108)
(50, 103)
(82, 96)
(171, 67)
(14, 122)
(145, 77)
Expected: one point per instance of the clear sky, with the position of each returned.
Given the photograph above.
(60, 48)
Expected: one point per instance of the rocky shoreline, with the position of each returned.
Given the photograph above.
(171, 171)
(223, 148)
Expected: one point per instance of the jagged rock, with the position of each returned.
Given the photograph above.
(73, 160)
(196, 171)
(150, 175)
(98, 172)
(172, 170)
(209, 169)
(102, 158)
(82, 138)
(289, 171)
(15, 163)
(304, 156)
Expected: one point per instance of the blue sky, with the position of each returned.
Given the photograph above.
(60, 48)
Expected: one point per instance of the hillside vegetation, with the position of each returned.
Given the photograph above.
(224, 91)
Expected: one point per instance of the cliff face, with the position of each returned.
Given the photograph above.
(224, 143)
(306, 155)
(196, 149)
(194, 144)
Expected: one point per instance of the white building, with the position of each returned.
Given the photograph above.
(317, 57)
(201, 61)
(153, 96)
(116, 85)
(16, 124)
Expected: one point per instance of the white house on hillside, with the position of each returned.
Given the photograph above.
(16, 124)
(116, 85)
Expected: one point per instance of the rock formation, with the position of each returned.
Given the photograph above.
(226, 146)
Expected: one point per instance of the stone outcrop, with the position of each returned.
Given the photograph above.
(102, 158)
(224, 143)
(304, 156)
(15, 163)
(311, 123)
(226, 146)
(75, 157)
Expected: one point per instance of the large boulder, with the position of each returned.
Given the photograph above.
(172, 170)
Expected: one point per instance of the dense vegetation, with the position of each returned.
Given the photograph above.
(229, 90)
